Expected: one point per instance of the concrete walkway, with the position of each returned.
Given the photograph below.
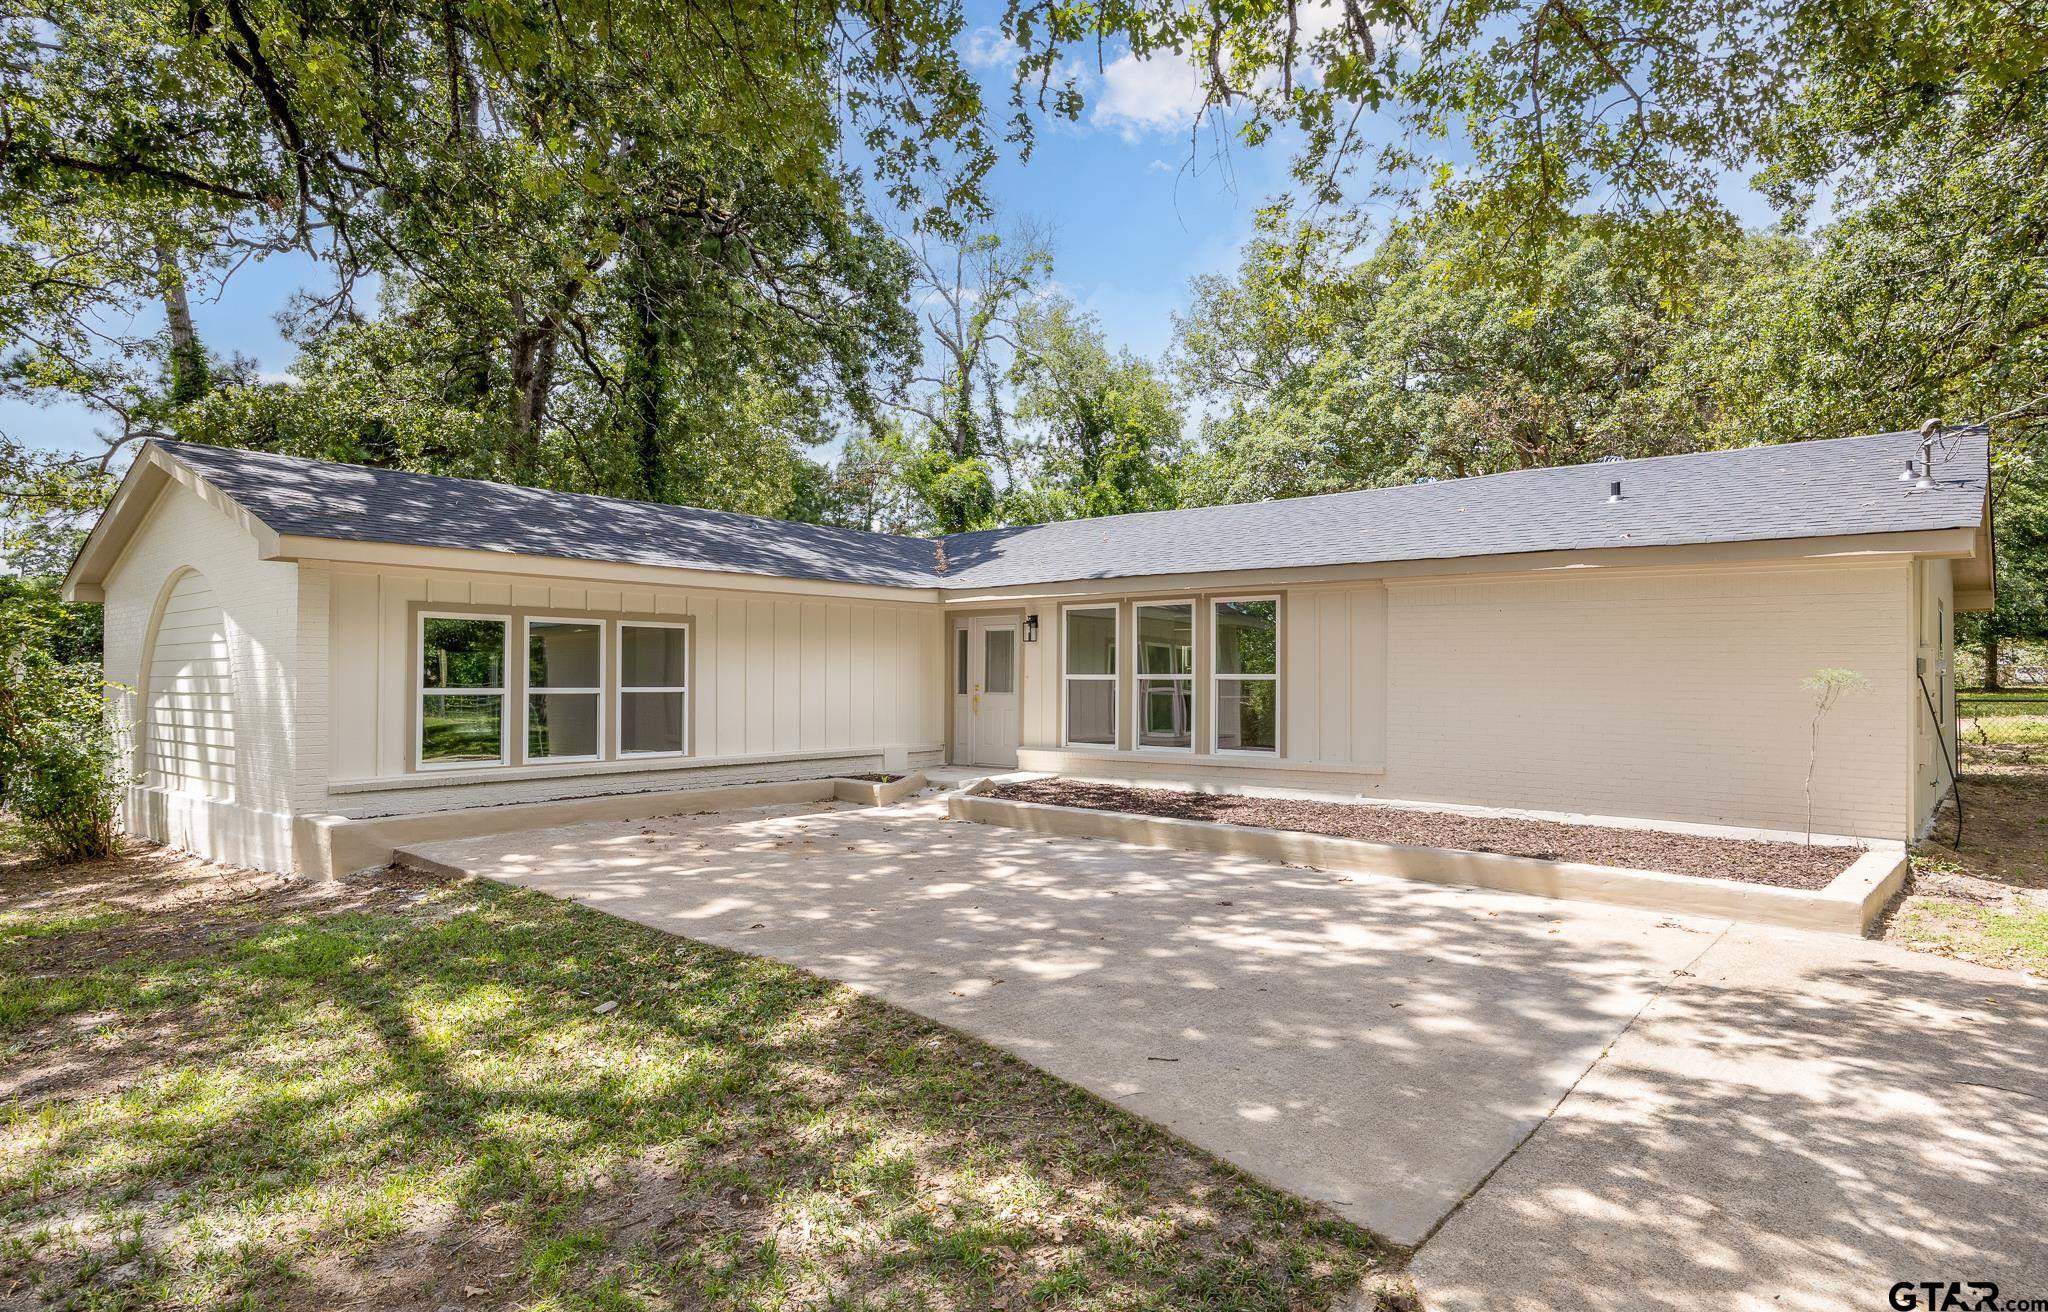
(1779, 1114)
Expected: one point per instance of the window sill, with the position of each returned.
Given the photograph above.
(625, 765)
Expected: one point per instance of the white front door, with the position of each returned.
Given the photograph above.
(985, 692)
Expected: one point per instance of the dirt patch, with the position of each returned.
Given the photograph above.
(873, 778)
(1786, 865)
(1987, 900)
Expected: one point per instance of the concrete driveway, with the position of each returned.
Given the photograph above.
(1778, 1119)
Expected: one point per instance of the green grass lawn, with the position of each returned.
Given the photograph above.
(220, 1091)
(2014, 935)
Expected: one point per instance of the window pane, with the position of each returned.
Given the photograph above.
(563, 654)
(1091, 711)
(463, 654)
(960, 662)
(1166, 639)
(1247, 715)
(1091, 642)
(561, 724)
(651, 722)
(1247, 637)
(1000, 651)
(1166, 712)
(460, 728)
(651, 658)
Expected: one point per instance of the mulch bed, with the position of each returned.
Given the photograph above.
(1752, 861)
(873, 778)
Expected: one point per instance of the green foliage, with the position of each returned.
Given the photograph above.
(1100, 430)
(60, 768)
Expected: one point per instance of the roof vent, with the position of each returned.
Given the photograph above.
(1426, 479)
(1614, 492)
(1930, 433)
(1906, 476)
(1610, 460)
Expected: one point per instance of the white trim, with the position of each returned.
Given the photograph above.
(1139, 677)
(1217, 678)
(528, 691)
(421, 692)
(620, 690)
(1115, 610)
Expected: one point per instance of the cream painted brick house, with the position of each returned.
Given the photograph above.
(301, 641)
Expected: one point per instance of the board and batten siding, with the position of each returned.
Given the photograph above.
(769, 675)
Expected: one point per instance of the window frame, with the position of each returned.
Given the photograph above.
(1217, 677)
(1115, 609)
(620, 688)
(528, 691)
(421, 692)
(1139, 677)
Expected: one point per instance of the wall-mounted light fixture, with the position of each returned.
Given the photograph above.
(1031, 628)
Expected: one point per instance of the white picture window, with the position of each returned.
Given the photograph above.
(654, 696)
(1247, 665)
(1089, 637)
(1165, 637)
(564, 689)
(462, 663)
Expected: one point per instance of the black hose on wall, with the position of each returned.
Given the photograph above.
(1955, 779)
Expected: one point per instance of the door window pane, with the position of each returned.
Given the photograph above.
(564, 654)
(1091, 641)
(999, 651)
(1166, 639)
(1091, 711)
(651, 658)
(461, 727)
(1247, 637)
(960, 661)
(462, 653)
(1247, 715)
(651, 722)
(560, 724)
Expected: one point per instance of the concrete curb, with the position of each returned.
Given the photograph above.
(866, 792)
(332, 846)
(1846, 906)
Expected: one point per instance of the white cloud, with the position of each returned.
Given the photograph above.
(1148, 95)
(987, 47)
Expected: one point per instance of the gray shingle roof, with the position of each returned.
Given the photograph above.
(1790, 490)
(1793, 490)
(354, 503)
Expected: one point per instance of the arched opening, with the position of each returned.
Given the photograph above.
(188, 722)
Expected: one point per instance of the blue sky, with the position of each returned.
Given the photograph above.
(1135, 207)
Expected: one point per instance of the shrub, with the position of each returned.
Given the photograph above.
(60, 768)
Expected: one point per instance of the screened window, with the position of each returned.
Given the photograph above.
(462, 690)
(1090, 636)
(654, 698)
(1248, 675)
(564, 689)
(1166, 674)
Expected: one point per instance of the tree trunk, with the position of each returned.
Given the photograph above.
(533, 350)
(190, 378)
(1990, 661)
